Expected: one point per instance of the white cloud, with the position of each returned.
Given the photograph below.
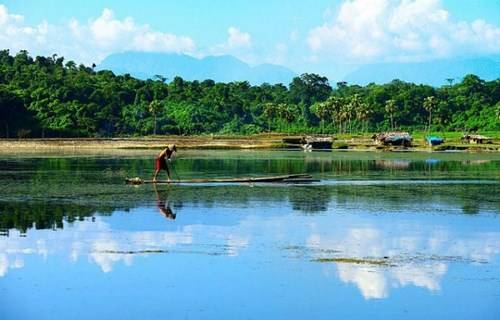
(238, 44)
(238, 39)
(365, 30)
(87, 42)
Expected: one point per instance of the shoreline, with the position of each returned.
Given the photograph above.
(269, 141)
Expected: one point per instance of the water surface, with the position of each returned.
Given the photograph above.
(385, 235)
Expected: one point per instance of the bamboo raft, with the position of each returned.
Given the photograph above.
(291, 178)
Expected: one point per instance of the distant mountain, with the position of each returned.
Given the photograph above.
(218, 68)
(433, 73)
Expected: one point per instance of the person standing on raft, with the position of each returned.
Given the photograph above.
(161, 161)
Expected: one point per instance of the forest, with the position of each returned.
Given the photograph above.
(51, 97)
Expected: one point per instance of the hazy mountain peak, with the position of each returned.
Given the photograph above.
(224, 68)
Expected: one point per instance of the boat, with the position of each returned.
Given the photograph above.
(291, 178)
(434, 140)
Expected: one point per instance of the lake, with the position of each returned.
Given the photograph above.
(382, 235)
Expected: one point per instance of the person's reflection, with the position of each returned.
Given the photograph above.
(163, 205)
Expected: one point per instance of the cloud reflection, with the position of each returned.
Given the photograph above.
(417, 259)
(418, 255)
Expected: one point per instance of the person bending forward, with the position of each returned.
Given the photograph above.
(161, 161)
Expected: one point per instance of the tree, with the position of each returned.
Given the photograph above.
(429, 105)
(287, 112)
(270, 111)
(353, 108)
(306, 90)
(154, 108)
(362, 114)
(45, 96)
(323, 111)
(390, 109)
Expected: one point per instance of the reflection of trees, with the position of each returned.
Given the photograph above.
(24, 215)
(40, 215)
(44, 192)
(310, 199)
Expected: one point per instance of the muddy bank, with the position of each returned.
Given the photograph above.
(204, 142)
(270, 141)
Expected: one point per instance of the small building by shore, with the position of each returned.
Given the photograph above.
(397, 138)
(310, 143)
(476, 139)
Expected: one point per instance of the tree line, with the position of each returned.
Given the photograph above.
(48, 97)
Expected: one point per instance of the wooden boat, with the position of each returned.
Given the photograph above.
(292, 178)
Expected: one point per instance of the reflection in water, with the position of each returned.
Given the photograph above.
(377, 225)
(469, 198)
(163, 204)
(417, 259)
(96, 241)
(374, 282)
(393, 164)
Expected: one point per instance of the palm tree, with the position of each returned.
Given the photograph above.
(354, 106)
(287, 112)
(154, 108)
(323, 111)
(362, 114)
(390, 108)
(343, 116)
(336, 105)
(429, 105)
(270, 110)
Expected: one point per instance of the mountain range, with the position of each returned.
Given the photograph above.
(224, 68)
(227, 68)
(434, 73)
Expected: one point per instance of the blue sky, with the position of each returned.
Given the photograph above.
(327, 36)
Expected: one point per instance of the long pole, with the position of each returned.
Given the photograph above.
(175, 171)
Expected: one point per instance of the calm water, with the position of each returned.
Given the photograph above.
(384, 235)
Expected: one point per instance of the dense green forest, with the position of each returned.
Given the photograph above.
(48, 97)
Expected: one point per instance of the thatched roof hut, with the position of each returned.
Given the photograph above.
(397, 138)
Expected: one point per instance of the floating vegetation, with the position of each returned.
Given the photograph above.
(131, 251)
(397, 260)
(370, 261)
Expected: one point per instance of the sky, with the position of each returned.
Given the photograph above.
(330, 37)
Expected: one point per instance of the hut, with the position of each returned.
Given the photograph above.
(321, 143)
(476, 139)
(310, 143)
(397, 138)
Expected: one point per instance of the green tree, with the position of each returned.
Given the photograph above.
(429, 105)
(154, 107)
(390, 109)
(323, 111)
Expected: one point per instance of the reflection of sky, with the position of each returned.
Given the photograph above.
(420, 249)
(416, 256)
